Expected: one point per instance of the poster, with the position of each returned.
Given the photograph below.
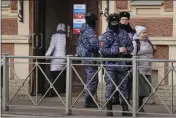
(79, 11)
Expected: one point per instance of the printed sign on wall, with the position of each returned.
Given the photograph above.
(79, 11)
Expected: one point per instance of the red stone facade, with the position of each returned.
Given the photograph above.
(13, 4)
(122, 4)
(168, 4)
(163, 53)
(9, 26)
(161, 27)
(9, 49)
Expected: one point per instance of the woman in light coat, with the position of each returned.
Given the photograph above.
(144, 50)
(57, 48)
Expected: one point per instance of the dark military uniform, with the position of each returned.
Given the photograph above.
(131, 33)
(111, 41)
(89, 45)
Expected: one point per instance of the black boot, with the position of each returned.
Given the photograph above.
(115, 99)
(49, 94)
(140, 103)
(109, 109)
(142, 109)
(115, 102)
(125, 108)
(89, 103)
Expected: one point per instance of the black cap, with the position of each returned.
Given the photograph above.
(113, 17)
(124, 14)
(90, 17)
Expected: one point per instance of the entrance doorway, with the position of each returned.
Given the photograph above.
(47, 15)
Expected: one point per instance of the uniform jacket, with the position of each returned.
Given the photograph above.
(109, 47)
(89, 41)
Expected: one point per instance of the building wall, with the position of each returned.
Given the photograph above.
(16, 41)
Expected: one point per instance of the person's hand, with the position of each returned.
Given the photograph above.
(122, 50)
(47, 58)
(154, 47)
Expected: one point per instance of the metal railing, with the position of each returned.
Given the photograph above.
(70, 67)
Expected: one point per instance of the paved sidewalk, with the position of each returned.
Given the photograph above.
(87, 113)
(27, 116)
(55, 109)
(23, 116)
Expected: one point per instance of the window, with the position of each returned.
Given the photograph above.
(5, 3)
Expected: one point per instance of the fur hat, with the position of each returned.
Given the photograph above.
(124, 14)
(113, 17)
(91, 17)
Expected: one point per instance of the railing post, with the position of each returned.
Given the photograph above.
(101, 83)
(172, 88)
(68, 86)
(5, 88)
(135, 86)
(36, 82)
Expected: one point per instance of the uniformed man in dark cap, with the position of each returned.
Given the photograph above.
(88, 47)
(115, 43)
(125, 25)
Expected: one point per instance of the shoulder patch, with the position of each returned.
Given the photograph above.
(101, 43)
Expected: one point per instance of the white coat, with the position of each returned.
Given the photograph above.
(57, 48)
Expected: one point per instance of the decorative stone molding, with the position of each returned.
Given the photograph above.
(16, 39)
(171, 41)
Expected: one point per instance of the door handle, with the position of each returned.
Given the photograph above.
(71, 34)
(68, 31)
(33, 35)
(37, 40)
(41, 43)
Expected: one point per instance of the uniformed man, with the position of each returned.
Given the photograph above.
(125, 25)
(115, 43)
(89, 44)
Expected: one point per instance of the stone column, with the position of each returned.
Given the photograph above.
(101, 85)
(172, 48)
(174, 18)
(112, 9)
(23, 27)
(21, 48)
